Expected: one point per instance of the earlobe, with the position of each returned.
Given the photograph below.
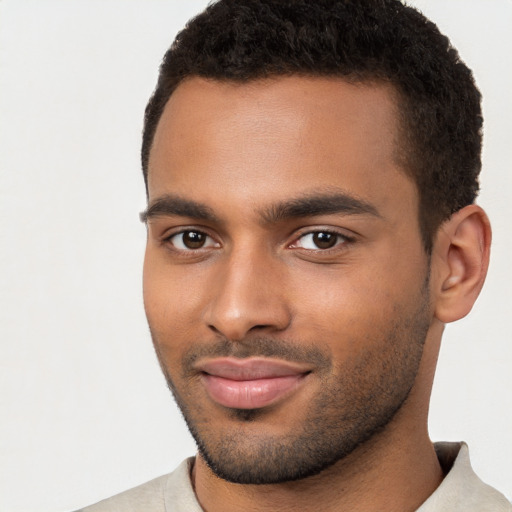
(460, 260)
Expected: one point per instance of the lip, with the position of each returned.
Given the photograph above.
(251, 383)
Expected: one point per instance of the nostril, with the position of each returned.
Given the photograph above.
(234, 315)
(215, 330)
(259, 327)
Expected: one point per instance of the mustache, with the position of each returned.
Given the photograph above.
(261, 346)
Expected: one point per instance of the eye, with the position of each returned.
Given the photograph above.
(319, 240)
(190, 240)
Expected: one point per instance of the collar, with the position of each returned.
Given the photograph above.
(461, 490)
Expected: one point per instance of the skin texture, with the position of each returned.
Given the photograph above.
(233, 269)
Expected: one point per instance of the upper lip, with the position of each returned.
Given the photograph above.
(252, 368)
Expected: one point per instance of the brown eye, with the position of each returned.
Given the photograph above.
(190, 240)
(320, 240)
(324, 240)
(193, 239)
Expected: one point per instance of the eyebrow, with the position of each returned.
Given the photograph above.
(319, 204)
(307, 206)
(175, 205)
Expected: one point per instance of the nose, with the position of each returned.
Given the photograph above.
(247, 296)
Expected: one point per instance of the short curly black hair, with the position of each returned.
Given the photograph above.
(360, 41)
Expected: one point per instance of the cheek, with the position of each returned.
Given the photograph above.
(351, 309)
(171, 300)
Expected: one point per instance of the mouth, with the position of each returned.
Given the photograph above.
(251, 383)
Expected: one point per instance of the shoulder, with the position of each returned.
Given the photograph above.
(153, 496)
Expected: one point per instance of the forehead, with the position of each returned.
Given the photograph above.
(276, 137)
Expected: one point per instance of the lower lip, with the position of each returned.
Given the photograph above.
(250, 394)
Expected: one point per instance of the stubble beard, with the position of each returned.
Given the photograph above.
(356, 403)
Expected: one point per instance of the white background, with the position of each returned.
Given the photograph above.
(84, 411)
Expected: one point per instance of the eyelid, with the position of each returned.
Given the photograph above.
(166, 239)
(346, 239)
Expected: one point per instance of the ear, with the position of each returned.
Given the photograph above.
(460, 258)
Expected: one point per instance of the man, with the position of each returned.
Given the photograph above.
(311, 171)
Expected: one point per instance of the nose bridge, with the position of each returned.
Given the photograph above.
(248, 294)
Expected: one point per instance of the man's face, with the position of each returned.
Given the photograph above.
(285, 283)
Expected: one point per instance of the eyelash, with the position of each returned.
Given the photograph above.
(340, 241)
(168, 240)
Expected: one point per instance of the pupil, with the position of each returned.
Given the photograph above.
(324, 240)
(193, 239)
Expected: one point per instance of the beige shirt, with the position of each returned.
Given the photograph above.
(460, 491)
